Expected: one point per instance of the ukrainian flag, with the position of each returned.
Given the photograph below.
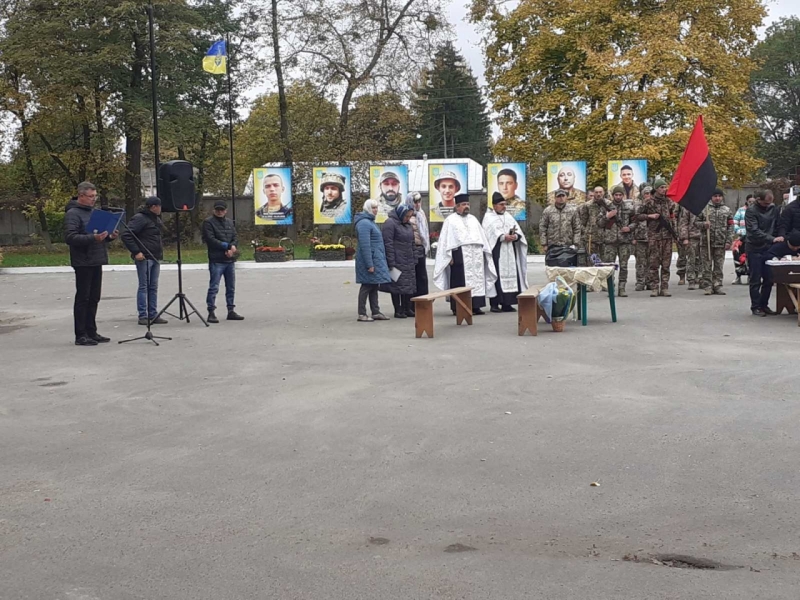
(215, 60)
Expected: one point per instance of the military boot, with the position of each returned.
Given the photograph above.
(654, 293)
(622, 292)
(639, 287)
(664, 293)
(682, 280)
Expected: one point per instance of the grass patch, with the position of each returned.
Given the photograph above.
(37, 256)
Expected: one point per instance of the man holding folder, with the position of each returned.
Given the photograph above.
(88, 252)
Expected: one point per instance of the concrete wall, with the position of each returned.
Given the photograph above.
(15, 228)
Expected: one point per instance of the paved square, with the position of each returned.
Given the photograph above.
(302, 455)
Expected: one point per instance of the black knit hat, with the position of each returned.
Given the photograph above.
(794, 238)
(719, 192)
(153, 201)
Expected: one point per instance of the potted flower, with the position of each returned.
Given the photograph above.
(561, 308)
(264, 253)
(325, 252)
(349, 247)
(434, 237)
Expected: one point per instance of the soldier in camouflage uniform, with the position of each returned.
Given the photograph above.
(560, 225)
(592, 235)
(617, 226)
(692, 232)
(640, 242)
(720, 229)
(658, 212)
(681, 263)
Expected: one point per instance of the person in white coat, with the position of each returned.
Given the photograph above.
(509, 254)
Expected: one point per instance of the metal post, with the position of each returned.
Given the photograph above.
(154, 90)
(230, 124)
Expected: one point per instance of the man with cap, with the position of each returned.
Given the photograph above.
(273, 209)
(720, 229)
(640, 241)
(219, 234)
(333, 206)
(448, 185)
(560, 224)
(464, 257)
(617, 224)
(142, 238)
(658, 212)
(509, 254)
(391, 196)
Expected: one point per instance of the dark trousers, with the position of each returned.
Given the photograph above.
(401, 302)
(759, 279)
(421, 271)
(368, 291)
(217, 271)
(88, 287)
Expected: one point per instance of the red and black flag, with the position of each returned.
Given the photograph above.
(696, 178)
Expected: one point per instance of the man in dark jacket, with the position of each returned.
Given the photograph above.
(142, 238)
(790, 219)
(219, 234)
(88, 252)
(761, 222)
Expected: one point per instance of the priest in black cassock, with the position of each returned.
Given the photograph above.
(509, 254)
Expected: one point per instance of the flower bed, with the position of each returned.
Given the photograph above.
(325, 252)
(270, 254)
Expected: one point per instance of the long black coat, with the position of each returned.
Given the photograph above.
(398, 237)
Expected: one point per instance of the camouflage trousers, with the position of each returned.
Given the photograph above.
(640, 252)
(696, 263)
(623, 251)
(660, 252)
(681, 264)
(713, 267)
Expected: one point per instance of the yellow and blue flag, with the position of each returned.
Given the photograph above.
(215, 60)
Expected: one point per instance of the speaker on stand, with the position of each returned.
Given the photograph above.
(176, 186)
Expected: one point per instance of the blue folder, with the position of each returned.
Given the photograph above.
(105, 220)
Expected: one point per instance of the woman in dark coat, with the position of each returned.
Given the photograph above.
(398, 237)
(371, 269)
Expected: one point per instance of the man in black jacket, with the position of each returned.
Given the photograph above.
(761, 222)
(790, 219)
(219, 234)
(142, 238)
(88, 252)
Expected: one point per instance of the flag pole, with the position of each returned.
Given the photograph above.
(230, 123)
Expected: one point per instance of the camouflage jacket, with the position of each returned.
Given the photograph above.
(691, 227)
(656, 229)
(639, 227)
(612, 227)
(589, 213)
(560, 227)
(721, 220)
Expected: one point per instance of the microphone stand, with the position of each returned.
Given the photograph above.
(148, 334)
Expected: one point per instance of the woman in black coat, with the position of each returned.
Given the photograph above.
(398, 237)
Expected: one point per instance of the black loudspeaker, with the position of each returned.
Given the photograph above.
(176, 186)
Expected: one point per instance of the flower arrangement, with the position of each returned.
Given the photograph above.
(319, 247)
(268, 253)
(270, 249)
(434, 235)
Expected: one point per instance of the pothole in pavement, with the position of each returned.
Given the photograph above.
(681, 561)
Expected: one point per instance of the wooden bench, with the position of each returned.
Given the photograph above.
(423, 307)
(528, 313)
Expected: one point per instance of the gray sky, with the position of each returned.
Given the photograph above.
(468, 38)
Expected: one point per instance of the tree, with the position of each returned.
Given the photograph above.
(776, 96)
(600, 80)
(451, 112)
(351, 43)
(380, 127)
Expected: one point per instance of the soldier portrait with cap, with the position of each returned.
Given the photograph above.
(448, 186)
(274, 209)
(334, 204)
(390, 193)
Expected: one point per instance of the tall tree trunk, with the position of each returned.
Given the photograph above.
(283, 107)
(37, 190)
(102, 166)
(86, 134)
(133, 132)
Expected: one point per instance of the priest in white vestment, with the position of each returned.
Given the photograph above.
(509, 254)
(464, 257)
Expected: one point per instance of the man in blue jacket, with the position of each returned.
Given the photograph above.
(219, 234)
(88, 252)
